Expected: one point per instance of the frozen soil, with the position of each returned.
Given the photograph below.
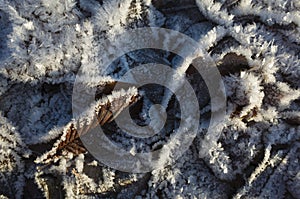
(254, 44)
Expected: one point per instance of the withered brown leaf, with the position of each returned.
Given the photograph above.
(104, 111)
(232, 63)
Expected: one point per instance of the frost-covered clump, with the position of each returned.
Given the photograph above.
(13, 152)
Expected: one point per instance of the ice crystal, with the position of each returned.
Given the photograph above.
(46, 45)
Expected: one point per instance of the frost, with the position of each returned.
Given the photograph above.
(46, 46)
(12, 154)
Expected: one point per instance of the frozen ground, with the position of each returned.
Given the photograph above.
(255, 45)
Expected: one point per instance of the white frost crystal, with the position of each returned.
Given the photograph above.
(12, 154)
(45, 45)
